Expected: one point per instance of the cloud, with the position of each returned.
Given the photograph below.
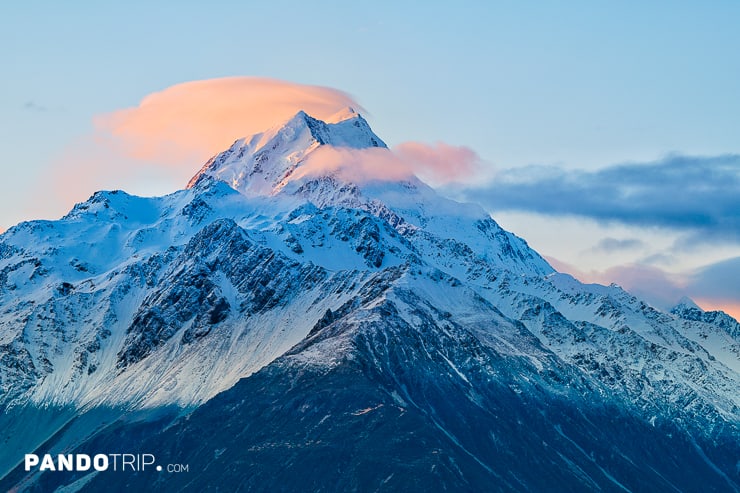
(190, 122)
(33, 106)
(698, 195)
(611, 245)
(717, 286)
(652, 284)
(356, 165)
(156, 146)
(437, 164)
(718, 281)
(713, 287)
(660, 258)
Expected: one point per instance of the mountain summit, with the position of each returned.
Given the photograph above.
(263, 163)
(333, 335)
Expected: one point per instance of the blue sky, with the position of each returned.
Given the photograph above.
(582, 89)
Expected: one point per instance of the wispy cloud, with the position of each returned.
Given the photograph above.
(33, 106)
(715, 286)
(699, 195)
(438, 164)
(611, 245)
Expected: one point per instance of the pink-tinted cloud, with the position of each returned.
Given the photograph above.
(658, 287)
(155, 147)
(655, 285)
(194, 120)
(355, 165)
(437, 164)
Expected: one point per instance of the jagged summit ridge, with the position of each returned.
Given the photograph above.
(260, 164)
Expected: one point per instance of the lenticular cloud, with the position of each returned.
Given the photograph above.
(187, 123)
(194, 120)
(159, 143)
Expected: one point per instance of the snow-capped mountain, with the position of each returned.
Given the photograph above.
(291, 310)
(263, 163)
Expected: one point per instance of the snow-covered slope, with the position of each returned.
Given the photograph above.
(142, 301)
(263, 163)
(259, 268)
(170, 300)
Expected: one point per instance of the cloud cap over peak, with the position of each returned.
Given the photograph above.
(199, 118)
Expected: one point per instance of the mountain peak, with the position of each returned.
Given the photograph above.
(686, 302)
(345, 113)
(346, 128)
(259, 164)
(687, 309)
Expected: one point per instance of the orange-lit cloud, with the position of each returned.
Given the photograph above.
(155, 147)
(194, 120)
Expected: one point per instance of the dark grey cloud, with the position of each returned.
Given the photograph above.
(700, 195)
(611, 245)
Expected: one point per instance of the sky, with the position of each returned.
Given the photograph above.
(604, 133)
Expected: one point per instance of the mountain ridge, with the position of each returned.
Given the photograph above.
(301, 135)
(136, 305)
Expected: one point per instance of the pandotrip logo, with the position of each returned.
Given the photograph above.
(99, 462)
